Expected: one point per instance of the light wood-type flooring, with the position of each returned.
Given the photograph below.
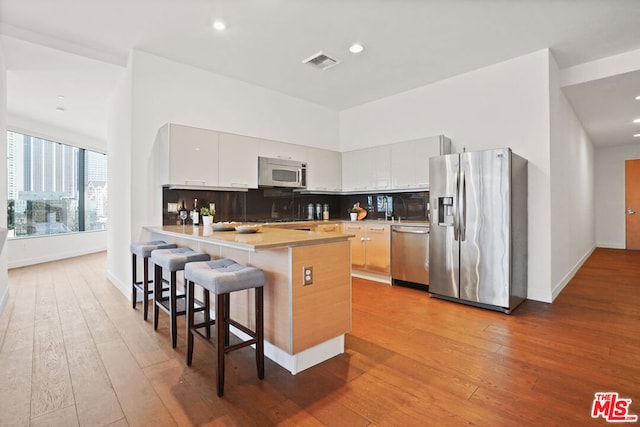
(74, 352)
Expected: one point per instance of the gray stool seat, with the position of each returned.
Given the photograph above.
(143, 249)
(222, 277)
(174, 260)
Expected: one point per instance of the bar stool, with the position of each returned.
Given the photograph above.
(143, 249)
(173, 260)
(222, 277)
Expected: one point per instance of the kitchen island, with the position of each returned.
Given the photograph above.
(303, 324)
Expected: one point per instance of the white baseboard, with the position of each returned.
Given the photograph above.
(3, 299)
(298, 362)
(371, 276)
(54, 257)
(611, 246)
(565, 280)
(125, 288)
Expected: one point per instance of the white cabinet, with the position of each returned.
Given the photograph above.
(238, 166)
(188, 156)
(410, 161)
(281, 150)
(380, 167)
(368, 169)
(324, 170)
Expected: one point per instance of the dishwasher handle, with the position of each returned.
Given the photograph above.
(408, 230)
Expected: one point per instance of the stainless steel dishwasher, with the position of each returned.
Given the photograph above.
(410, 254)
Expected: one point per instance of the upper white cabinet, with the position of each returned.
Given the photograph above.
(368, 169)
(282, 150)
(324, 170)
(188, 156)
(410, 161)
(380, 167)
(238, 166)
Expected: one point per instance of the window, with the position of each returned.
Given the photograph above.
(54, 188)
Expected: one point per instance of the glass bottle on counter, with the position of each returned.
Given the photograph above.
(195, 213)
(183, 213)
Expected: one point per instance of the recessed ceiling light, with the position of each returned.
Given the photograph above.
(219, 25)
(638, 98)
(60, 109)
(356, 48)
(61, 98)
(636, 120)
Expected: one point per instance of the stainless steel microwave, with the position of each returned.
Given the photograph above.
(281, 173)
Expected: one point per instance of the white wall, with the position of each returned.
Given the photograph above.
(53, 133)
(573, 234)
(120, 183)
(165, 91)
(4, 279)
(506, 104)
(610, 194)
(35, 250)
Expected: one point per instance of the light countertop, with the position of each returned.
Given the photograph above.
(266, 238)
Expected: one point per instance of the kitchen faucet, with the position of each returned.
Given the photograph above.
(386, 208)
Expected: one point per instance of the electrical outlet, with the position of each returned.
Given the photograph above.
(307, 275)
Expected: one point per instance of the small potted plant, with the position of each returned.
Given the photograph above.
(353, 212)
(207, 216)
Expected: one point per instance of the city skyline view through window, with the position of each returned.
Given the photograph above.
(54, 188)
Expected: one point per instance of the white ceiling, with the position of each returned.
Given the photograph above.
(408, 43)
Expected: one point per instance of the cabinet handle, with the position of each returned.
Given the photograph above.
(239, 184)
(283, 157)
(376, 229)
(403, 186)
(194, 181)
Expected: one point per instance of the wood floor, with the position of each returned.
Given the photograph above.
(73, 352)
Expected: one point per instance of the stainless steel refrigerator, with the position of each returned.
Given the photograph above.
(478, 240)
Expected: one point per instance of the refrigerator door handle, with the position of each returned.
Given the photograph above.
(462, 207)
(456, 214)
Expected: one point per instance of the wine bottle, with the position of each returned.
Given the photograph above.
(195, 213)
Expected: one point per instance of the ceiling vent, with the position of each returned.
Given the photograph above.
(321, 60)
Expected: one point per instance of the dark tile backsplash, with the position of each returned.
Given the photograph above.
(276, 203)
